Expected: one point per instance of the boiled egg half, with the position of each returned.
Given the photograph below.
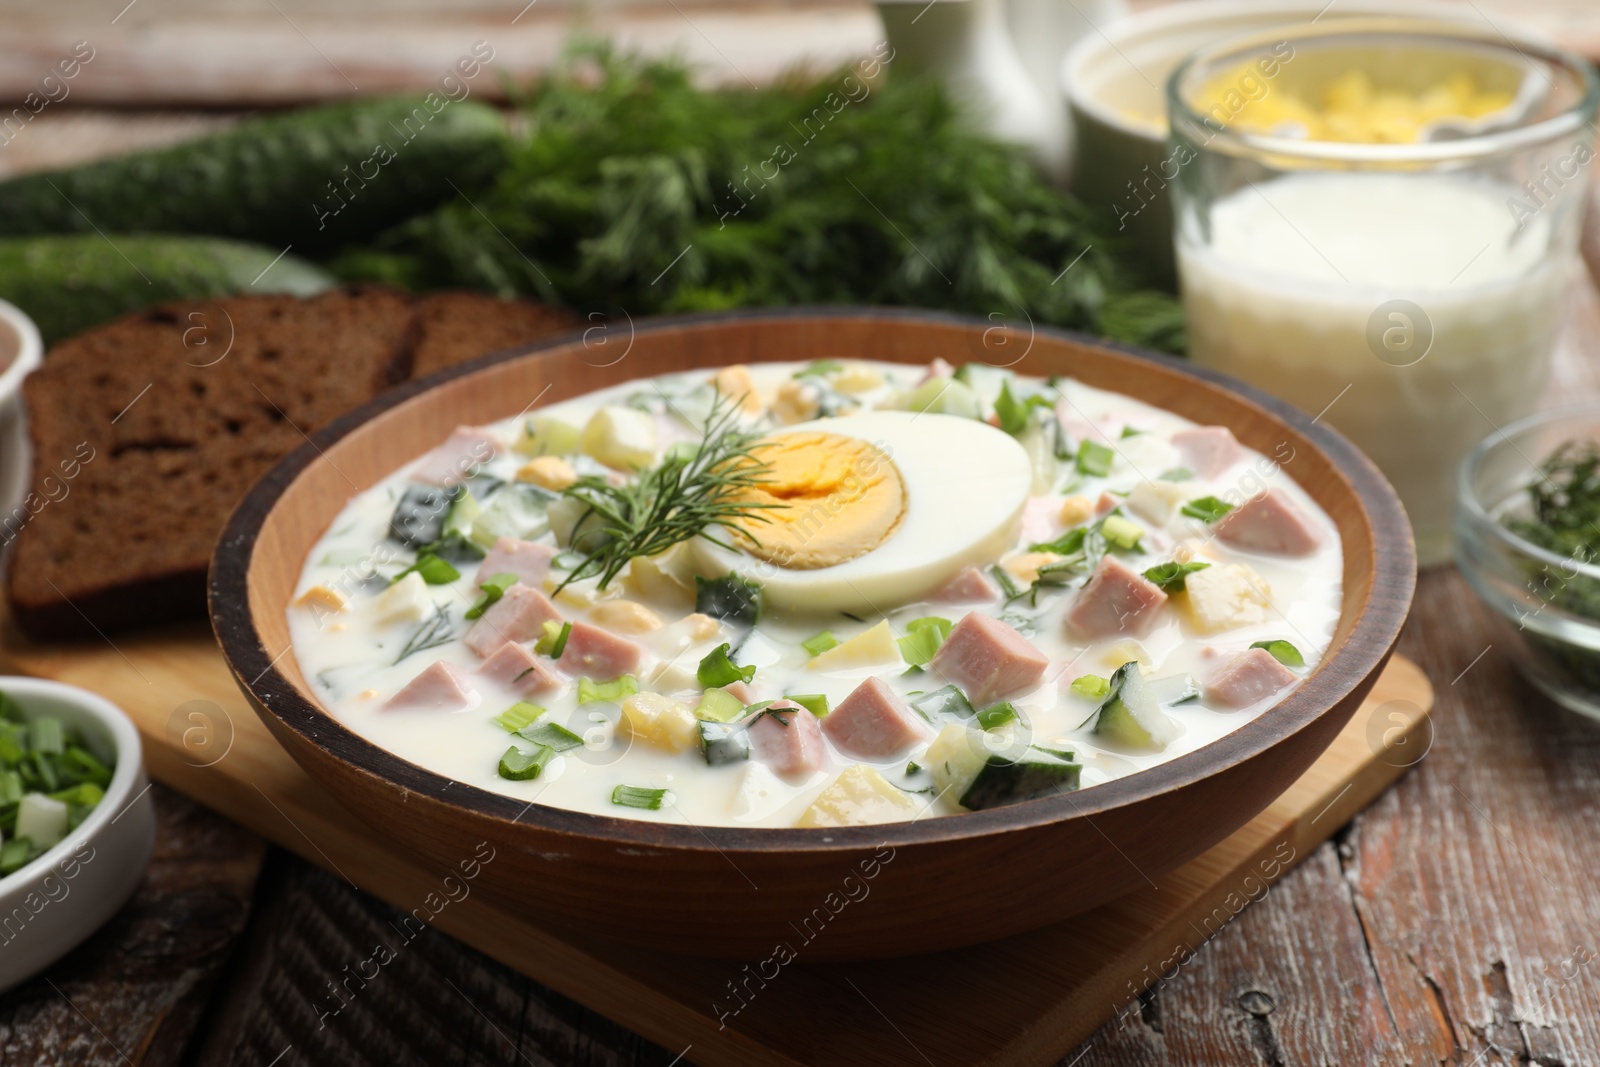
(874, 510)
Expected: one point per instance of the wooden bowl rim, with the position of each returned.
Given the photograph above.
(1363, 653)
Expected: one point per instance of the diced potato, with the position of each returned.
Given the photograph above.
(866, 649)
(582, 594)
(547, 435)
(41, 819)
(669, 677)
(954, 759)
(321, 600)
(736, 384)
(660, 721)
(405, 601)
(625, 617)
(1076, 510)
(667, 576)
(1127, 651)
(797, 402)
(1025, 566)
(1157, 501)
(1225, 596)
(620, 437)
(857, 378)
(548, 472)
(859, 797)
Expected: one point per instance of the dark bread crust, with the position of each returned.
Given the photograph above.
(128, 540)
(454, 327)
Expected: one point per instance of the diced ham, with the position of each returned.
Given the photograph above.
(1208, 450)
(968, 587)
(519, 615)
(461, 456)
(937, 369)
(873, 722)
(1269, 523)
(440, 687)
(1247, 678)
(988, 659)
(792, 746)
(1117, 601)
(529, 561)
(518, 669)
(1105, 505)
(598, 654)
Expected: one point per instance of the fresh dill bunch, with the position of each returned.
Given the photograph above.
(686, 495)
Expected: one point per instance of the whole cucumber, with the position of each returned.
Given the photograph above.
(71, 282)
(314, 179)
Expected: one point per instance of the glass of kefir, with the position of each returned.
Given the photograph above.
(1378, 221)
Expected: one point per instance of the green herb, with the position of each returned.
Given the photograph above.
(612, 691)
(677, 499)
(550, 734)
(1283, 652)
(1094, 459)
(996, 715)
(433, 569)
(1176, 474)
(728, 599)
(1012, 413)
(436, 631)
(633, 796)
(1206, 508)
(1129, 431)
(518, 716)
(1092, 686)
(717, 669)
(815, 703)
(520, 766)
(1171, 576)
(820, 643)
(493, 589)
(1008, 585)
(923, 638)
(637, 188)
(1121, 533)
(819, 368)
(553, 641)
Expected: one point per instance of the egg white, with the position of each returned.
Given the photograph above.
(966, 483)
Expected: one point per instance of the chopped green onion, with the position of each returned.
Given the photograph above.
(923, 638)
(717, 669)
(10, 787)
(818, 368)
(85, 794)
(912, 768)
(633, 796)
(553, 641)
(1094, 459)
(1171, 576)
(551, 735)
(1283, 652)
(719, 705)
(1206, 508)
(1092, 686)
(518, 716)
(1129, 431)
(997, 715)
(1012, 413)
(14, 854)
(433, 569)
(1121, 533)
(815, 703)
(80, 763)
(1176, 474)
(614, 690)
(520, 766)
(820, 643)
(493, 589)
(45, 736)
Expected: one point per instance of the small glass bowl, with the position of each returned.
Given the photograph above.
(1548, 603)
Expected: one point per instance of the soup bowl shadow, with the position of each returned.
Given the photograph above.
(738, 892)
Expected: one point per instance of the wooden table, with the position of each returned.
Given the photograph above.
(1456, 921)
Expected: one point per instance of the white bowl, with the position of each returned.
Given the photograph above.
(21, 351)
(63, 896)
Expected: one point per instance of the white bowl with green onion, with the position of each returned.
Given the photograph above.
(76, 817)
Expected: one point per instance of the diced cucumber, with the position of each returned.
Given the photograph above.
(418, 517)
(728, 599)
(943, 396)
(458, 520)
(1173, 689)
(576, 525)
(984, 380)
(548, 435)
(1039, 442)
(954, 758)
(1035, 774)
(724, 742)
(1131, 716)
(521, 511)
(943, 705)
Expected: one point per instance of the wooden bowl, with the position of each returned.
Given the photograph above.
(858, 892)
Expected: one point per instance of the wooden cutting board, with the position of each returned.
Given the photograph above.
(1022, 1001)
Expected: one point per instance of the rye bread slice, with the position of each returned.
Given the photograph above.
(176, 424)
(453, 327)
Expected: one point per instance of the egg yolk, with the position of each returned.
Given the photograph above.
(842, 497)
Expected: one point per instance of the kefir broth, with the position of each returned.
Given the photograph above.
(1290, 295)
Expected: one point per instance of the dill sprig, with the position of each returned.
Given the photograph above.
(685, 495)
(435, 631)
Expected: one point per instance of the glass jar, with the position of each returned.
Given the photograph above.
(1409, 293)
